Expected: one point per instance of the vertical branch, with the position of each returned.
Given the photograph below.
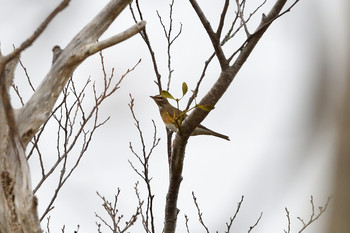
(170, 41)
(288, 219)
(148, 217)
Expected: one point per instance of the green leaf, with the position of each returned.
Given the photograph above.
(166, 94)
(206, 107)
(184, 88)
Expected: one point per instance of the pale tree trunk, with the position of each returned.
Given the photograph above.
(18, 212)
(18, 206)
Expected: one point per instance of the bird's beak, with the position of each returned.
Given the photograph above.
(152, 97)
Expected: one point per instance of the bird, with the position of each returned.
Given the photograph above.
(172, 118)
(56, 53)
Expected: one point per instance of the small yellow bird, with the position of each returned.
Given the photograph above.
(171, 117)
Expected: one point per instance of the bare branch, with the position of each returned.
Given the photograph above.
(186, 223)
(288, 9)
(199, 213)
(15, 88)
(313, 216)
(112, 211)
(27, 75)
(98, 46)
(222, 18)
(288, 218)
(243, 22)
(229, 35)
(145, 38)
(256, 223)
(215, 40)
(265, 23)
(148, 217)
(170, 40)
(72, 130)
(48, 224)
(228, 225)
(196, 90)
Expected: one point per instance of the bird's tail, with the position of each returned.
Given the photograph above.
(220, 135)
(201, 130)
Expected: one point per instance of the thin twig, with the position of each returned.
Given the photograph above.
(186, 224)
(229, 225)
(256, 223)
(229, 35)
(260, 29)
(27, 75)
(145, 38)
(148, 217)
(67, 122)
(313, 216)
(200, 214)
(288, 219)
(112, 211)
(48, 224)
(170, 40)
(243, 22)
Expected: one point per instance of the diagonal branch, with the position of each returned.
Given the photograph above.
(226, 77)
(215, 40)
(98, 46)
(256, 223)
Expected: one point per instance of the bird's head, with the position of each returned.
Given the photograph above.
(160, 100)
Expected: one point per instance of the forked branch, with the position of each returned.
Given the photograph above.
(215, 40)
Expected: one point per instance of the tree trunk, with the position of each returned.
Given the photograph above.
(18, 211)
(18, 206)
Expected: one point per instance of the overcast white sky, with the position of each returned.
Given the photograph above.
(281, 148)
